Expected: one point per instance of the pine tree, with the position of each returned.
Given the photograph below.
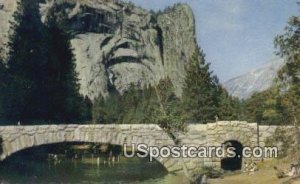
(154, 105)
(43, 83)
(127, 108)
(201, 91)
(66, 103)
(3, 83)
(25, 94)
(108, 110)
(265, 107)
(131, 102)
(228, 107)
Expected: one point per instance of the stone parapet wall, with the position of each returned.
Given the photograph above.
(17, 138)
(195, 135)
(267, 131)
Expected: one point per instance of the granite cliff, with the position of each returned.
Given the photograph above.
(117, 44)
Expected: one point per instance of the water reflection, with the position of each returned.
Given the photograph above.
(30, 168)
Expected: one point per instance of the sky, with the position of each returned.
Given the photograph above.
(236, 35)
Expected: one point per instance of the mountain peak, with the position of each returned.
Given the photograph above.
(257, 80)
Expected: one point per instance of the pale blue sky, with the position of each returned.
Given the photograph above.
(236, 35)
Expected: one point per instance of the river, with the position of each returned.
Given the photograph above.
(27, 169)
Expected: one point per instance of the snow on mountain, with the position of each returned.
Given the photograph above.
(256, 80)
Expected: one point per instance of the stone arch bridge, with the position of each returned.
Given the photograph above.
(17, 138)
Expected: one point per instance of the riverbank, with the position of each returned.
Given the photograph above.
(266, 174)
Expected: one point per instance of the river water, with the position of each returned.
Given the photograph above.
(86, 170)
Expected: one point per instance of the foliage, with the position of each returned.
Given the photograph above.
(165, 108)
(149, 105)
(203, 98)
(284, 140)
(265, 107)
(26, 65)
(135, 102)
(229, 107)
(107, 110)
(199, 92)
(288, 46)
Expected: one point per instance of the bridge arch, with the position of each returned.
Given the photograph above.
(236, 162)
(19, 138)
(241, 134)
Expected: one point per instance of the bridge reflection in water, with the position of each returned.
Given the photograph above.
(33, 166)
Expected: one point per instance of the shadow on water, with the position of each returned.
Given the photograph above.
(60, 163)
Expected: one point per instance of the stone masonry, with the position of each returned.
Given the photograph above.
(17, 138)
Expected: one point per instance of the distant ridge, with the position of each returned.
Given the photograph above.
(256, 80)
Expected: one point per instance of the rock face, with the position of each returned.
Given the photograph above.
(117, 44)
(7, 7)
(179, 42)
(255, 81)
